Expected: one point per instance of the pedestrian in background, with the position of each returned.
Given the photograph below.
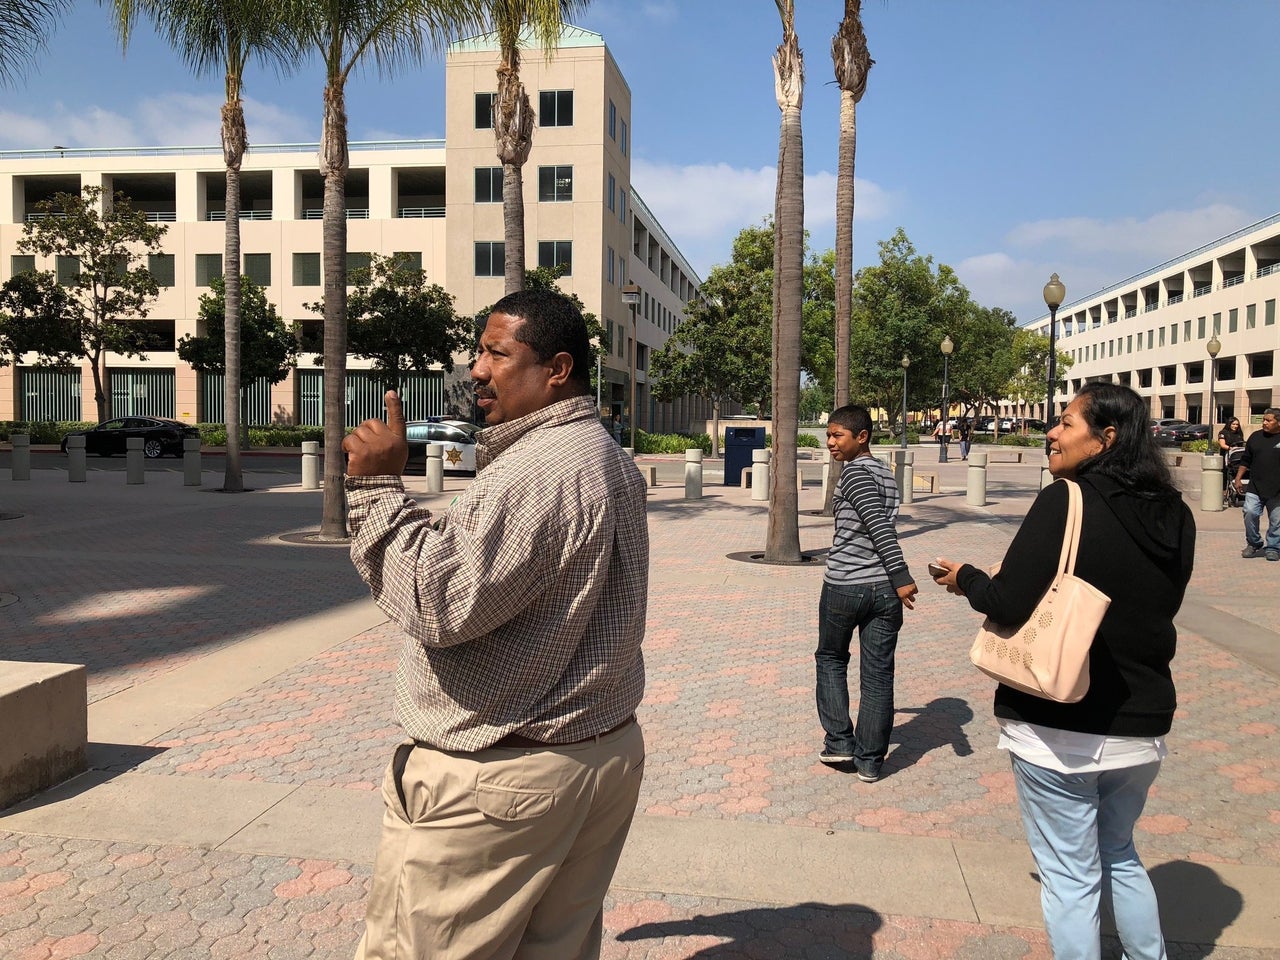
(1083, 770)
(865, 587)
(965, 433)
(1261, 460)
(508, 806)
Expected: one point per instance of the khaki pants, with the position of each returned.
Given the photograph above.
(502, 854)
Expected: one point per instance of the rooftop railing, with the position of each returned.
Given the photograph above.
(220, 216)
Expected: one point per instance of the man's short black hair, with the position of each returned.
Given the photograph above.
(853, 417)
(552, 324)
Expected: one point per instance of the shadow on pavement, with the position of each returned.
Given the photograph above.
(773, 931)
(937, 724)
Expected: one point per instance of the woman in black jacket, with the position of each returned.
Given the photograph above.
(1083, 769)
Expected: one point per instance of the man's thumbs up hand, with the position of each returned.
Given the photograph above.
(377, 449)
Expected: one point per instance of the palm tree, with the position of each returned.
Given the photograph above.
(223, 35)
(24, 28)
(512, 114)
(782, 545)
(347, 33)
(852, 63)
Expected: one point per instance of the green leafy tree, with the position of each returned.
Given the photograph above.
(1030, 380)
(513, 116)
(984, 360)
(37, 316)
(113, 287)
(782, 541)
(25, 26)
(400, 321)
(347, 34)
(223, 36)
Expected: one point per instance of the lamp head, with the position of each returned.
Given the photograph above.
(1054, 293)
(906, 361)
(631, 293)
(1213, 346)
(947, 345)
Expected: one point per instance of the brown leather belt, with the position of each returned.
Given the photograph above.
(516, 740)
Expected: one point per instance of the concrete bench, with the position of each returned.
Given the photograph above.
(44, 714)
(745, 483)
(927, 481)
(1174, 459)
(1014, 455)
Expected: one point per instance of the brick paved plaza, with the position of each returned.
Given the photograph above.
(240, 717)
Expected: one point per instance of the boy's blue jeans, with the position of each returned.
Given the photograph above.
(875, 611)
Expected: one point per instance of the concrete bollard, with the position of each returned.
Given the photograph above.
(759, 474)
(826, 474)
(191, 461)
(693, 474)
(21, 461)
(630, 452)
(77, 469)
(908, 476)
(435, 468)
(1046, 477)
(135, 470)
(976, 491)
(310, 464)
(1211, 482)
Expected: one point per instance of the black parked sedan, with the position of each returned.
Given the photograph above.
(159, 435)
(1187, 432)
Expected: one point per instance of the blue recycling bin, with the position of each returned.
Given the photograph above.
(738, 444)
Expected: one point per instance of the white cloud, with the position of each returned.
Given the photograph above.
(1158, 237)
(704, 206)
(664, 12)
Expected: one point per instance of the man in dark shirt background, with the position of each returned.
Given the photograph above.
(1261, 460)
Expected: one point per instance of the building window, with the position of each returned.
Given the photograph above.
(488, 184)
(1186, 329)
(484, 110)
(1251, 316)
(613, 121)
(1233, 319)
(490, 258)
(257, 267)
(1173, 333)
(306, 269)
(555, 184)
(555, 108)
(1269, 314)
(622, 141)
(67, 269)
(410, 260)
(553, 253)
(622, 205)
(1199, 328)
(208, 268)
(161, 266)
(610, 271)
(25, 263)
(357, 261)
(613, 189)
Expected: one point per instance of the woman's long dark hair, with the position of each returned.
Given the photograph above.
(1133, 460)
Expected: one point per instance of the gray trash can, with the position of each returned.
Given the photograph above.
(738, 444)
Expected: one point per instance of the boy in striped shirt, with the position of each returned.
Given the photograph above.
(866, 585)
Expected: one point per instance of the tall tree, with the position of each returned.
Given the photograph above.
(104, 240)
(852, 63)
(782, 544)
(347, 34)
(513, 116)
(211, 36)
(25, 26)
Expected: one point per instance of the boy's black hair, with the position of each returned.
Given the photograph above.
(854, 417)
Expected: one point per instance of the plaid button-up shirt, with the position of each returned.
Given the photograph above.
(525, 609)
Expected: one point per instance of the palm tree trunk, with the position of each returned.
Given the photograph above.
(513, 132)
(852, 61)
(783, 541)
(234, 143)
(333, 167)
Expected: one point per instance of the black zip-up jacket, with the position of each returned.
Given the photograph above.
(1138, 552)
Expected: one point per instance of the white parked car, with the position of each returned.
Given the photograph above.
(456, 436)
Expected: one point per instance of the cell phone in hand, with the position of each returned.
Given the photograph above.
(937, 570)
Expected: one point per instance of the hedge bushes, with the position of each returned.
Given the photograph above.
(42, 431)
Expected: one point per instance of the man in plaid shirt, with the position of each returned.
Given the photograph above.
(524, 611)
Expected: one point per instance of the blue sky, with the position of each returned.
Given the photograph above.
(1009, 138)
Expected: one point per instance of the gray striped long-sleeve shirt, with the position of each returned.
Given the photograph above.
(865, 546)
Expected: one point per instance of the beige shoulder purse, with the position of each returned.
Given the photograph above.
(1048, 656)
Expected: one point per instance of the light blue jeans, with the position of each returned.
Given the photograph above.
(1253, 505)
(1080, 828)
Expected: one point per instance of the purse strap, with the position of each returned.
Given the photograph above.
(1071, 534)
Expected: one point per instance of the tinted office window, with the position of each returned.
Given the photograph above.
(613, 121)
(555, 184)
(257, 267)
(161, 266)
(490, 258)
(208, 268)
(409, 260)
(555, 108)
(488, 184)
(22, 263)
(67, 269)
(622, 140)
(357, 261)
(612, 192)
(306, 269)
(484, 110)
(553, 253)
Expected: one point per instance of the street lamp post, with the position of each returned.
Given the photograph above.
(947, 347)
(631, 297)
(906, 362)
(1054, 293)
(1213, 346)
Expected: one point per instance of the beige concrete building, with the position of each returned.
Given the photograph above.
(1151, 332)
(440, 202)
